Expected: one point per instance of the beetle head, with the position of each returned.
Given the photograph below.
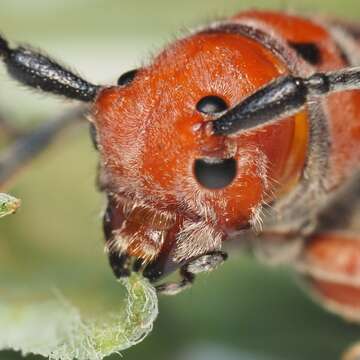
(177, 191)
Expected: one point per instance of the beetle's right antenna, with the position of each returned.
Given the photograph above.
(283, 97)
(33, 69)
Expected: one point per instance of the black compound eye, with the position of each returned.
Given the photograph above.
(127, 77)
(310, 52)
(211, 105)
(215, 174)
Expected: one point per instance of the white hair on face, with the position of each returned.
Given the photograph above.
(199, 237)
(200, 205)
(256, 156)
(195, 239)
(256, 220)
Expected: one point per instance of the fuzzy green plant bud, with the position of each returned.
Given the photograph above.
(8, 204)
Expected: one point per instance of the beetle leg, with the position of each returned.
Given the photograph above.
(206, 263)
(25, 148)
(174, 288)
(330, 264)
(331, 268)
(203, 263)
(283, 97)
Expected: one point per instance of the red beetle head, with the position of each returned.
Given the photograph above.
(178, 192)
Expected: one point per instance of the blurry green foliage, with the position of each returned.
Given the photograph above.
(8, 204)
(52, 327)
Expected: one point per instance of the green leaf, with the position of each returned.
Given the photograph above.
(56, 329)
(8, 204)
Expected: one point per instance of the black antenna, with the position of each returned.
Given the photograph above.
(38, 71)
(283, 97)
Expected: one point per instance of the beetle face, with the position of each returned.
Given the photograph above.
(179, 190)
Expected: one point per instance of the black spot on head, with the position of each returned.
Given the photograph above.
(310, 52)
(215, 175)
(211, 105)
(127, 77)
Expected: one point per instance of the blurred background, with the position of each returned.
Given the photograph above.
(244, 310)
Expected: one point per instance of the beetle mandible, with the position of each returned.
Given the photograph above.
(232, 132)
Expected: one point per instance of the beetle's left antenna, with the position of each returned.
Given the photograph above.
(38, 71)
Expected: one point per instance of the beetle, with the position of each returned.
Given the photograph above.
(247, 129)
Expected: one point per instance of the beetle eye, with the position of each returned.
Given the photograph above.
(127, 77)
(215, 174)
(211, 105)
